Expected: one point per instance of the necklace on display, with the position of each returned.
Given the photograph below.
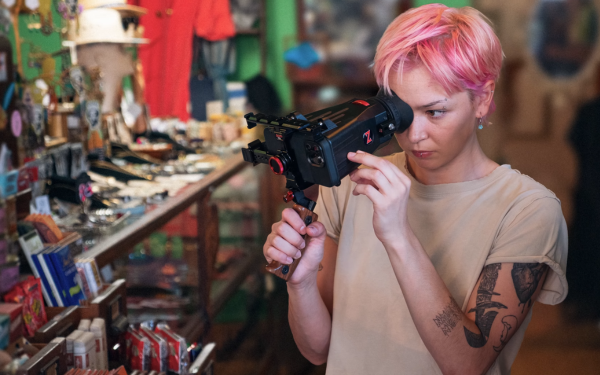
(45, 12)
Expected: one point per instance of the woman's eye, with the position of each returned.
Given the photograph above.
(436, 113)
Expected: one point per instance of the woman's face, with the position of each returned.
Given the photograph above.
(444, 125)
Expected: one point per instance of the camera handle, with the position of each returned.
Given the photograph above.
(284, 271)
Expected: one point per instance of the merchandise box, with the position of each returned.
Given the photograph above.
(4, 331)
(14, 311)
(109, 305)
(9, 183)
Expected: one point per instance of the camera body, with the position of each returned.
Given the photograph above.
(313, 149)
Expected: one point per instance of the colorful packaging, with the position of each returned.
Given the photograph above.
(29, 294)
(9, 276)
(70, 344)
(159, 360)
(178, 356)
(46, 227)
(97, 328)
(138, 350)
(84, 351)
(15, 313)
(4, 331)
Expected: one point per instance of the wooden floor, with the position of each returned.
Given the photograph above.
(553, 345)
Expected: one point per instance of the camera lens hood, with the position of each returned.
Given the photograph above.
(402, 114)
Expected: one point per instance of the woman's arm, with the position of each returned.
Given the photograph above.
(465, 343)
(461, 343)
(309, 312)
(310, 308)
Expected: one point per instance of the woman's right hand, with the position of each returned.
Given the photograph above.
(285, 242)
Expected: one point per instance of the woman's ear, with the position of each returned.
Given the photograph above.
(485, 99)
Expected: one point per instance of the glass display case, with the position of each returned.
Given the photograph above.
(185, 257)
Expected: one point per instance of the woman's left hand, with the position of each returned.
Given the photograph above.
(388, 188)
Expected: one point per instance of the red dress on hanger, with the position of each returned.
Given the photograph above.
(170, 26)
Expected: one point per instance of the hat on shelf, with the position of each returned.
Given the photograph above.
(103, 25)
(126, 10)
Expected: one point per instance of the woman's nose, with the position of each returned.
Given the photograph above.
(417, 131)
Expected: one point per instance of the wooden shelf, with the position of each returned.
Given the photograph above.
(222, 295)
(197, 325)
(118, 244)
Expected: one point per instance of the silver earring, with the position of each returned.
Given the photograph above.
(480, 123)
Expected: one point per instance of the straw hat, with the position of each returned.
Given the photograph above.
(125, 9)
(103, 25)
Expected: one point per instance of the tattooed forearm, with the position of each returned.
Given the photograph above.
(449, 317)
(484, 320)
(510, 322)
(526, 277)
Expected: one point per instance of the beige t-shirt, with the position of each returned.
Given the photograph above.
(504, 217)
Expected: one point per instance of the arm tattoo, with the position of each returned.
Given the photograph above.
(484, 320)
(448, 318)
(510, 322)
(526, 277)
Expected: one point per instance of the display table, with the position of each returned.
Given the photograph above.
(118, 245)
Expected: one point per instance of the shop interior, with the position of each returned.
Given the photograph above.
(129, 215)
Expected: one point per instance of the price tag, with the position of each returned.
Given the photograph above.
(42, 204)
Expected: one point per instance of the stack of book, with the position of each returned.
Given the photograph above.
(64, 282)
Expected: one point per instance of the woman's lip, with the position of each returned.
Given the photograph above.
(422, 154)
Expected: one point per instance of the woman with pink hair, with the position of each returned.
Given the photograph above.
(431, 257)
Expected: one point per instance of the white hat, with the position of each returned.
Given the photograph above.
(103, 25)
(125, 9)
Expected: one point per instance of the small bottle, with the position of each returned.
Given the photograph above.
(84, 325)
(70, 343)
(97, 328)
(84, 351)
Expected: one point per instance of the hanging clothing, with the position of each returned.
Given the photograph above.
(167, 59)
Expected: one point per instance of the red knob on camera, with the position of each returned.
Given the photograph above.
(276, 165)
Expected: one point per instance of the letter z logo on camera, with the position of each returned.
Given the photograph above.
(367, 137)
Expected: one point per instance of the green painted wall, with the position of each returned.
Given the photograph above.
(281, 34)
(450, 3)
(50, 43)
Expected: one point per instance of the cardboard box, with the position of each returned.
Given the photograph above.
(4, 331)
(14, 311)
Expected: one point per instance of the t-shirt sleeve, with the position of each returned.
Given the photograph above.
(536, 232)
(329, 211)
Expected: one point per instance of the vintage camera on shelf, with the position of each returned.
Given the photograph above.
(313, 149)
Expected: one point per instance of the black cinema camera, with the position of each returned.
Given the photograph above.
(313, 149)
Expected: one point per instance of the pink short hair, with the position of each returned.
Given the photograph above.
(457, 45)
